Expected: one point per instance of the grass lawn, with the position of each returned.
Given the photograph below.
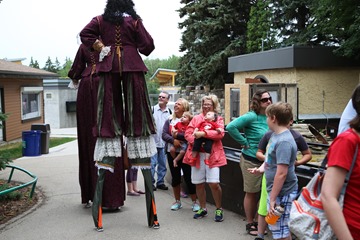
(14, 150)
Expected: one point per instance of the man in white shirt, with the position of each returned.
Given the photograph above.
(158, 162)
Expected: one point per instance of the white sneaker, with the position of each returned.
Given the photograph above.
(195, 207)
(176, 206)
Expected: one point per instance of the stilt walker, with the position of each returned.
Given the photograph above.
(84, 68)
(141, 144)
(122, 99)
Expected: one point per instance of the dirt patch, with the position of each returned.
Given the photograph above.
(18, 203)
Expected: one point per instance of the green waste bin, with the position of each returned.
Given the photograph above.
(45, 136)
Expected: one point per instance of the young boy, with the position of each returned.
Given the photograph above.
(209, 123)
(281, 181)
(180, 127)
(260, 154)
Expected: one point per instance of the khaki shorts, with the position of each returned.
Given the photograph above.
(204, 173)
(252, 182)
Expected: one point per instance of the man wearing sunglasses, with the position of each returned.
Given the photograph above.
(158, 162)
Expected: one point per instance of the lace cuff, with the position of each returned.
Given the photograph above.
(141, 147)
(104, 52)
(74, 85)
(107, 147)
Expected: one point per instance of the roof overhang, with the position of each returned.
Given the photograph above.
(290, 57)
(16, 70)
(164, 75)
(9, 74)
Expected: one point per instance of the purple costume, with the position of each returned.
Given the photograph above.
(114, 191)
(123, 106)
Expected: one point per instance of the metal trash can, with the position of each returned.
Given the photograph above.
(31, 143)
(45, 136)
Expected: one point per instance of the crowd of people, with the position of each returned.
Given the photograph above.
(118, 130)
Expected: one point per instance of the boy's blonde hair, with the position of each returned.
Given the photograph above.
(188, 114)
(282, 112)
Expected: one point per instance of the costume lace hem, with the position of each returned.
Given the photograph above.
(141, 147)
(107, 147)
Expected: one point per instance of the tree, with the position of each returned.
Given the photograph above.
(259, 35)
(314, 23)
(64, 70)
(292, 23)
(153, 87)
(56, 65)
(339, 21)
(213, 31)
(34, 64)
(49, 66)
(4, 159)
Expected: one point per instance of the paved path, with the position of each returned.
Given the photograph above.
(61, 215)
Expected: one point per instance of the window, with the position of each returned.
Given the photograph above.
(30, 102)
(234, 103)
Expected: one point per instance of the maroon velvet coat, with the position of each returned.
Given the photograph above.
(133, 39)
(114, 189)
(126, 101)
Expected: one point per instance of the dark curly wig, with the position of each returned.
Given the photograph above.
(115, 8)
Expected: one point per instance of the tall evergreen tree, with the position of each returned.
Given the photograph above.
(34, 64)
(339, 21)
(259, 28)
(57, 65)
(49, 66)
(293, 23)
(213, 31)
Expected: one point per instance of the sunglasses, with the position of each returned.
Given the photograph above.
(264, 100)
(162, 97)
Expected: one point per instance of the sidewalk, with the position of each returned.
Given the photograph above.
(60, 215)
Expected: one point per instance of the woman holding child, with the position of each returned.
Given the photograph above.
(175, 140)
(207, 171)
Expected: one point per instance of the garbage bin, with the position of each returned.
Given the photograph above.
(45, 136)
(31, 143)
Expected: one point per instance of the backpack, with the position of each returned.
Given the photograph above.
(307, 216)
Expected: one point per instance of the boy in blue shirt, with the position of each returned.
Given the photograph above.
(281, 180)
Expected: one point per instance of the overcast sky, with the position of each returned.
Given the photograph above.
(43, 28)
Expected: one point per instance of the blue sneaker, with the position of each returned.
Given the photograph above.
(176, 206)
(200, 214)
(219, 215)
(195, 207)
